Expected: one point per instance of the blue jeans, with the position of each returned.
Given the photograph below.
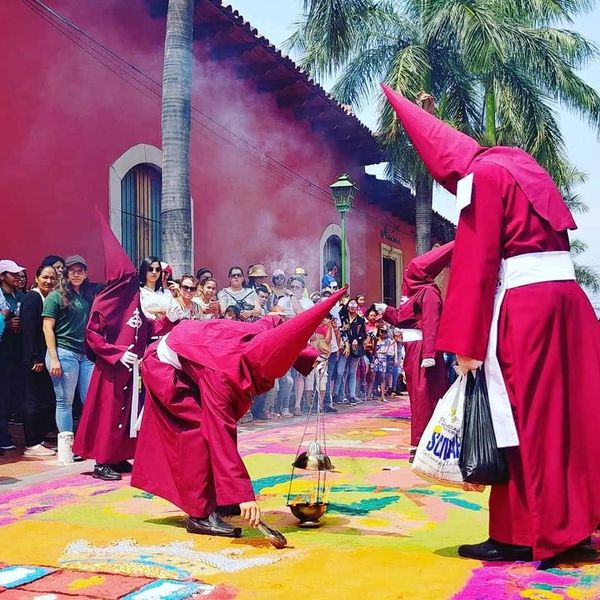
(352, 367)
(286, 383)
(76, 374)
(340, 376)
(331, 376)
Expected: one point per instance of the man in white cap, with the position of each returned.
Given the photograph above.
(11, 372)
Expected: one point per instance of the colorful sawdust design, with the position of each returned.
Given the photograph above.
(386, 533)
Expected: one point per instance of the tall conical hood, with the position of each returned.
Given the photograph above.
(446, 152)
(270, 354)
(423, 270)
(118, 301)
(117, 265)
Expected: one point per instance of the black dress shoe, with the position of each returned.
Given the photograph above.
(123, 467)
(212, 525)
(330, 409)
(105, 472)
(490, 550)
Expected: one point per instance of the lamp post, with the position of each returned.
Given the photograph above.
(342, 190)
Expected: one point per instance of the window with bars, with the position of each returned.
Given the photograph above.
(140, 212)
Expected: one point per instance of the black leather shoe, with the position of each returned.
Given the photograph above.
(490, 550)
(105, 472)
(330, 409)
(212, 525)
(123, 467)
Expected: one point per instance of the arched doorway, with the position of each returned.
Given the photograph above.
(331, 249)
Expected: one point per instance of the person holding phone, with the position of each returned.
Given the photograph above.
(206, 299)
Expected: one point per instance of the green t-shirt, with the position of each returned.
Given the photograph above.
(69, 328)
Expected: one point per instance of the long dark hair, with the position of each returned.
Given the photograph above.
(143, 270)
(87, 291)
(48, 261)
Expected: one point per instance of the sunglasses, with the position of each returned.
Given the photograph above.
(153, 269)
(76, 271)
(188, 288)
(235, 275)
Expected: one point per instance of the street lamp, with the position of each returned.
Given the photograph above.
(342, 190)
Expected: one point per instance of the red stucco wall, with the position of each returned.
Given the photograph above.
(66, 117)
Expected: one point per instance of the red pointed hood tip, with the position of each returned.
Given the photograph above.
(450, 155)
(446, 152)
(423, 270)
(271, 354)
(117, 265)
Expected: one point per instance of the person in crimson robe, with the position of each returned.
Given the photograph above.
(117, 334)
(200, 380)
(426, 377)
(513, 304)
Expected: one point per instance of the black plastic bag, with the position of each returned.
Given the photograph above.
(481, 461)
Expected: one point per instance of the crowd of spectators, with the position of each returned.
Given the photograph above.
(44, 368)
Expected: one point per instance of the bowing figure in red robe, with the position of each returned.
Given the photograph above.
(117, 334)
(513, 304)
(200, 380)
(419, 317)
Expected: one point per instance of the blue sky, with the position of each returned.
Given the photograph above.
(275, 18)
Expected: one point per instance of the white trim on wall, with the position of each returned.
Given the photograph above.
(136, 155)
(333, 229)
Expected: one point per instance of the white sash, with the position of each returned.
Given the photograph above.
(135, 400)
(411, 335)
(516, 271)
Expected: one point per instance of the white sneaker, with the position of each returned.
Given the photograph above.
(38, 451)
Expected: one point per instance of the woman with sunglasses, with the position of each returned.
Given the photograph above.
(237, 294)
(187, 291)
(157, 302)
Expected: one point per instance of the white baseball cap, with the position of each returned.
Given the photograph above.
(11, 266)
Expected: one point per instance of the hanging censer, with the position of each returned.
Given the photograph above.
(308, 491)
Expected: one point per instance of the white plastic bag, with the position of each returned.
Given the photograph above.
(436, 458)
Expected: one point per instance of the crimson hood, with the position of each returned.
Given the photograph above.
(450, 155)
(446, 152)
(423, 270)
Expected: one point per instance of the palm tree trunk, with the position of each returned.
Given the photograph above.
(176, 121)
(423, 212)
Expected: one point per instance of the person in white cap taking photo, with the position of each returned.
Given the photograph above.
(11, 379)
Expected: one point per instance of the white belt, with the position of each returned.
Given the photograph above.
(411, 335)
(517, 271)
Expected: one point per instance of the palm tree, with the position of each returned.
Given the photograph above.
(493, 65)
(176, 123)
(586, 276)
(369, 41)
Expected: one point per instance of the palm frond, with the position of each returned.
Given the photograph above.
(588, 278)
(526, 120)
(540, 12)
(360, 78)
(578, 247)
